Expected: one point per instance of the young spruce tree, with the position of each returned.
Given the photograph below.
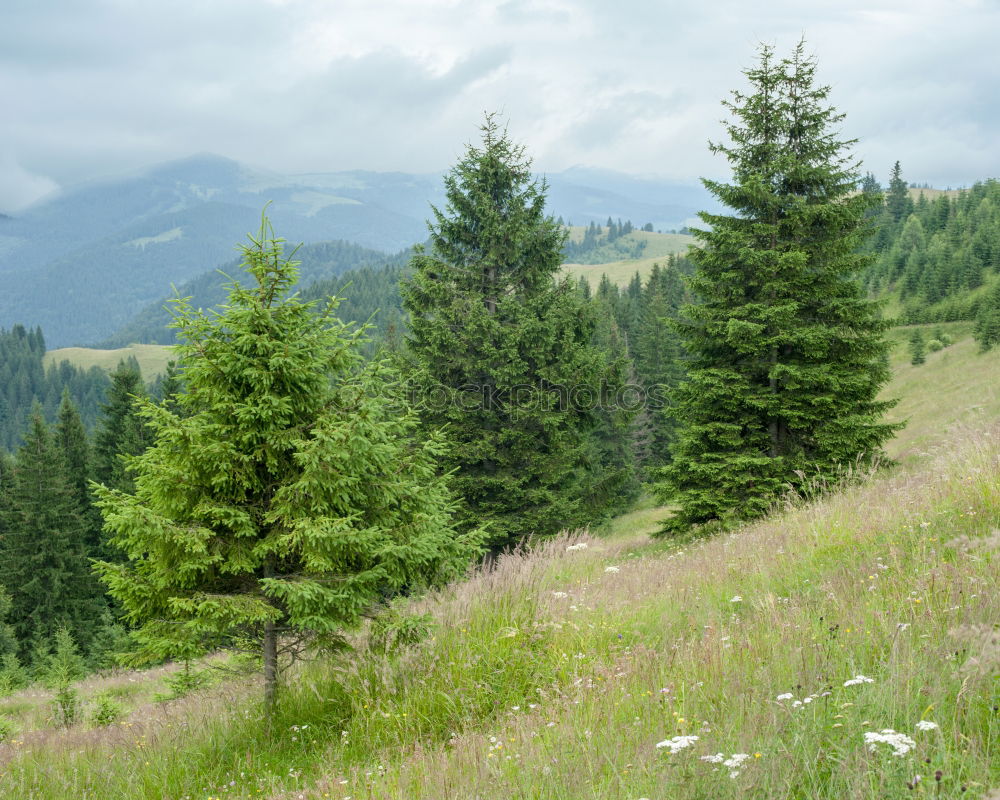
(787, 355)
(500, 344)
(285, 498)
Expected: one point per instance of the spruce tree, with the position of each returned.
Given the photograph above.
(501, 348)
(897, 196)
(43, 563)
(917, 347)
(286, 498)
(786, 354)
(122, 431)
(71, 438)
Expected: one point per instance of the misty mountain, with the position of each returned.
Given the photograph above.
(84, 263)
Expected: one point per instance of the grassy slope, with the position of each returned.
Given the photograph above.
(658, 246)
(152, 358)
(554, 678)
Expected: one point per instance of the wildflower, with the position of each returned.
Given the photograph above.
(612, 569)
(785, 696)
(900, 743)
(559, 595)
(735, 760)
(926, 725)
(677, 743)
(578, 546)
(858, 679)
(735, 599)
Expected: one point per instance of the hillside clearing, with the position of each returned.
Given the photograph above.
(152, 358)
(557, 675)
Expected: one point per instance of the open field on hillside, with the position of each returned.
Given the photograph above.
(152, 358)
(658, 247)
(771, 662)
(957, 388)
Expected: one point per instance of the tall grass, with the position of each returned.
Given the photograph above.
(557, 673)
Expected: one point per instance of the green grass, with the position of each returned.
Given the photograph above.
(957, 387)
(152, 358)
(555, 675)
(658, 247)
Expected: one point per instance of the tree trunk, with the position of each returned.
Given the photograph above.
(270, 654)
(270, 666)
(772, 427)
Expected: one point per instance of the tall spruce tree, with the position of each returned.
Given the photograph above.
(787, 355)
(122, 431)
(286, 497)
(43, 563)
(502, 349)
(71, 438)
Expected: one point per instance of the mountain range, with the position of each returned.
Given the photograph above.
(83, 263)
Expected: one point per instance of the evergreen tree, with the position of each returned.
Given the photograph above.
(122, 431)
(987, 328)
(43, 563)
(502, 348)
(917, 347)
(286, 498)
(786, 355)
(71, 438)
(897, 197)
(8, 639)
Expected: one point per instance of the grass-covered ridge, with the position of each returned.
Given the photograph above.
(557, 674)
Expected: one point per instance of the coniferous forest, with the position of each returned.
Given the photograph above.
(343, 432)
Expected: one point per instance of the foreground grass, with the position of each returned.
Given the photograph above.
(555, 675)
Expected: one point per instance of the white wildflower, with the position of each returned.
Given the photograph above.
(716, 759)
(926, 725)
(786, 696)
(858, 679)
(559, 595)
(612, 569)
(735, 599)
(578, 546)
(900, 743)
(677, 743)
(735, 760)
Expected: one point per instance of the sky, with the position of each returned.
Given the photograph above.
(94, 88)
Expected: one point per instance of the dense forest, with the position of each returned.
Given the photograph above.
(940, 257)
(24, 382)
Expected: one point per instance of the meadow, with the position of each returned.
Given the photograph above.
(152, 358)
(844, 647)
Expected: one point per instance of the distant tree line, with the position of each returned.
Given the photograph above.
(940, 256)
(24, 381)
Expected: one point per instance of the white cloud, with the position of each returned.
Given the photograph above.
(20, 188)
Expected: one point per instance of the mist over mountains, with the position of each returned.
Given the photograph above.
(82, 264)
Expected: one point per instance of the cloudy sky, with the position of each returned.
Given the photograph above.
(97, 87)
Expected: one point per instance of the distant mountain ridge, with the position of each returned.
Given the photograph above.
(85, 262)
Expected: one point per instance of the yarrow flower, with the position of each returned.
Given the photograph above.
(926, 725)
(559, 595)
(716, 759)
(786, 696)
(858, 679)
(734, 762)
(677, 743)
(900, 743)
(735, 599)
(578, 546)
(612, 569)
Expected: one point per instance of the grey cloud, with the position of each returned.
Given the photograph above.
(98, 86)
